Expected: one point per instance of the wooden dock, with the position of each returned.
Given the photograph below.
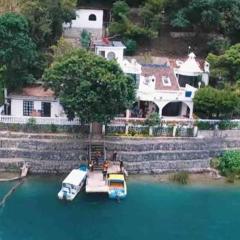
(95, 182)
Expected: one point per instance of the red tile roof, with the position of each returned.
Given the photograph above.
(160, 71)
(34, 91)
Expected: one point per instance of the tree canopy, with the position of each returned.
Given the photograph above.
(17, 51)
(211, 15)
(225, 68)
(213, 103)
(89, 86)
(46, 17)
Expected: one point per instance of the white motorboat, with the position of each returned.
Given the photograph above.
(73, 183)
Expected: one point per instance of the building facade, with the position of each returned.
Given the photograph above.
(166, 88)
(90, 20)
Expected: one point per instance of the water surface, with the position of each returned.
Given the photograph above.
(151, 211)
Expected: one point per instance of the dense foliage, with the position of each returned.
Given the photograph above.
(209, 15)
(46, 18)
(90, 87)
(213, 103)
(225, 68)
(123, 26)
(230, 163)
(17, 51)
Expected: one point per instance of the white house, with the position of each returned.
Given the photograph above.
(167, 88)
(160, 88)
(90, 20)
(34, 102)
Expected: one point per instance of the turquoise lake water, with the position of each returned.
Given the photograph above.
(150, 211)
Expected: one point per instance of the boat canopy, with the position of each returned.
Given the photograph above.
(75, 177)
(116, 177)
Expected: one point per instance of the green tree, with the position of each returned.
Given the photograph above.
(213, 103)
(151, 12)
(119, 9)
(209, 15)
(225, 68)
(85, 39)
(46, 17)
(89, 86)
(61, 48)
(17, 50)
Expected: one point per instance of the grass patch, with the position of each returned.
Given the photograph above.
(181, 178)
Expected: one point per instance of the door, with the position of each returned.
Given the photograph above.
(46, 109)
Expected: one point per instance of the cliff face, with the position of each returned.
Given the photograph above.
(56, 153)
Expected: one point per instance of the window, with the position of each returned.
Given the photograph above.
(46, 109)
(27, 108)
(102, 53)
(92, 17)
(111, 56)
(166, 81)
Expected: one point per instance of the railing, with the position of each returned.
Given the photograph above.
(154, 131)
(38, 120)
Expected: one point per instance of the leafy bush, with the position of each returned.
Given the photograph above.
(214, 163)
(230, 163)
(153, 119)
(226, 124)
(204, 125)
(31, 122)
(131, 46)
(181, 177)
(120, 8)
(85, 39)
(213, 103)
(53, 128)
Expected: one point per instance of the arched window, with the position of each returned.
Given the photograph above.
(111, 56)
(92, 17)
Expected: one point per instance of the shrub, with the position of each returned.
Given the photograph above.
(153, 119)
(53, 128)
(230, 177)
(214, 163)
(204, 125)
(181, 177)
(131, 46)
(85, 39)
(230, 163)
(120, 8)
(32, 121)
(226, 124)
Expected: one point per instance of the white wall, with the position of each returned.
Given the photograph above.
(82, 19)
(17, 108)
(117, 50)
(57, 110)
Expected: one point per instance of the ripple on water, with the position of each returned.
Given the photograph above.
(152, 210)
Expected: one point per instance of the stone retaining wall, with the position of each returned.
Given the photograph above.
(60, 155)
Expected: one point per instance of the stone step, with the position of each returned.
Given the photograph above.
(20, 135)
(155, 167)
(42, 144)
(41, 155)
(162, 155)
(39, 166)
(172, 146)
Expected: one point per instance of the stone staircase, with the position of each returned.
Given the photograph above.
(95, 149)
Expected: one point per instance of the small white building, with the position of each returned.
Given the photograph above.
(33, 101)
(90, 20)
